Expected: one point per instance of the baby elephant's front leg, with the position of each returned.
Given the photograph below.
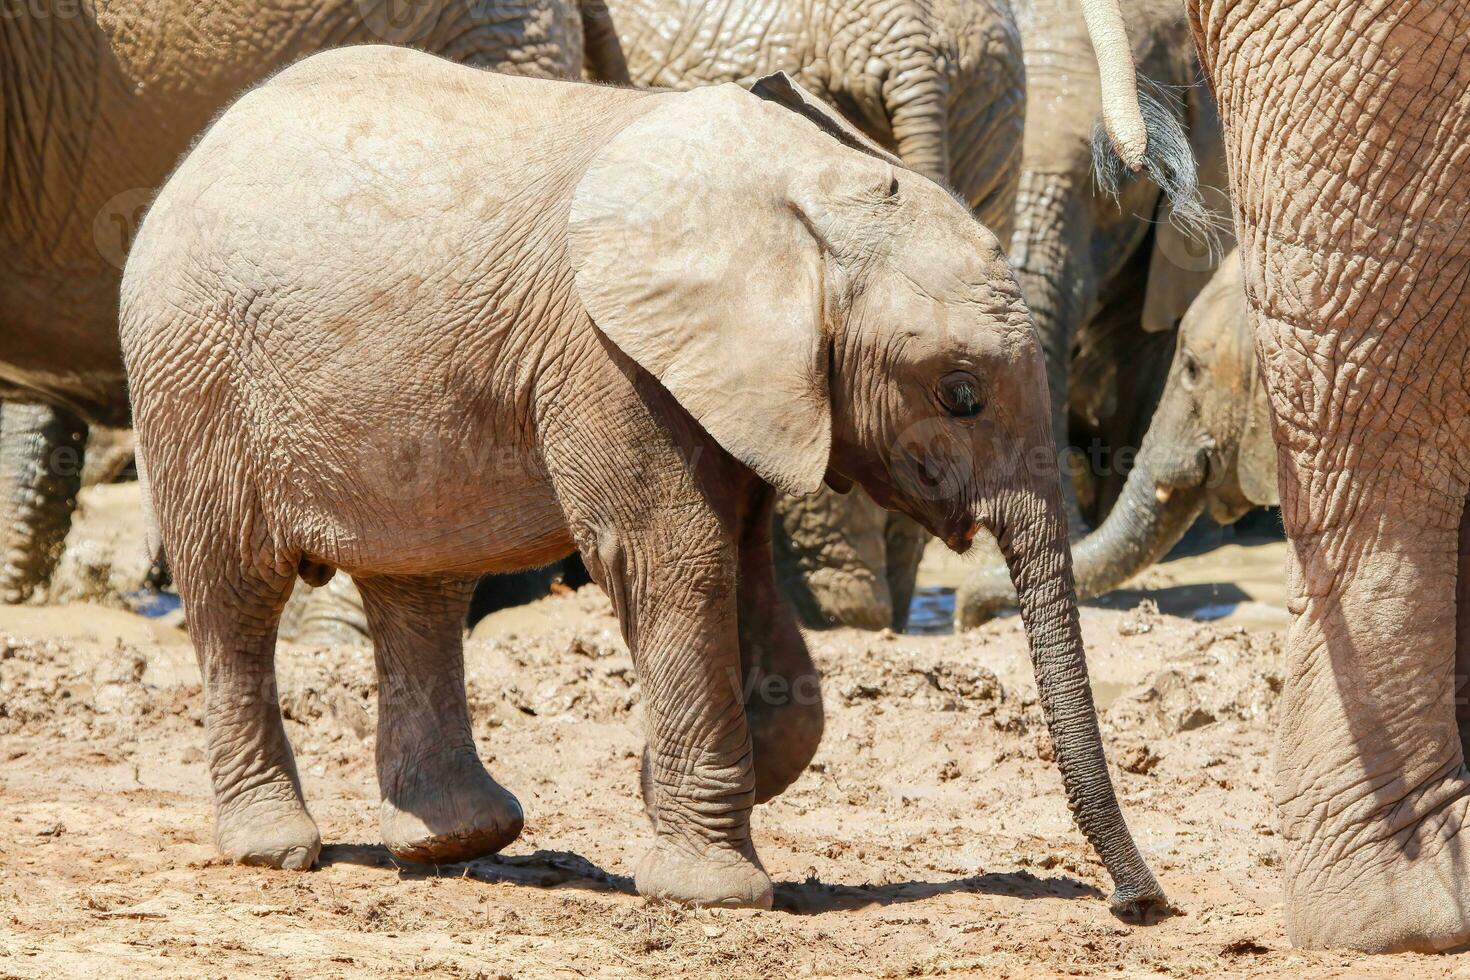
(439, 803)
(679, 616)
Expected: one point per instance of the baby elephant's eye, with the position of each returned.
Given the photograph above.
(960, 395)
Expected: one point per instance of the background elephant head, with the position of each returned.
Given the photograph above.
(99, 106)
(1209, 449)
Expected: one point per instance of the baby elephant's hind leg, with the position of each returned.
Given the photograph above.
(439, 803)
(260, 817)
(783, 690)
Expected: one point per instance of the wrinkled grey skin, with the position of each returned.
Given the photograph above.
(940, 83)
(1348, 130)
(41, 449)
(1076, 251)
(100, 99)
(656, 230)
(844, 561)
(1208, 449)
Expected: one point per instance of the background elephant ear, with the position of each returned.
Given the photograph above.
(690, 256)
(1181, 263)
(1256, 463)
(781, 89)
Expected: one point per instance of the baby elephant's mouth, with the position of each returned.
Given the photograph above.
(960, 539)
(1199, 471)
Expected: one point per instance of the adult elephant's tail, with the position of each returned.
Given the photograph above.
(1144, 135)
(1121, 114)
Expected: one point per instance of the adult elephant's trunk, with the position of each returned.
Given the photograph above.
(603, 52)
(41, 455)
(1145, 522)
(917, 103)
(1121, 114)
(1033, 538)
(1046, 250)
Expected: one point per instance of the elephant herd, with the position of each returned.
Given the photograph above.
(946, 85)
(742, 301)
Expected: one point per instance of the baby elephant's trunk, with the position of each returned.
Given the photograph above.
(1033, 538)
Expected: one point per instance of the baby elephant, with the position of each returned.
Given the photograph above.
(416, 322)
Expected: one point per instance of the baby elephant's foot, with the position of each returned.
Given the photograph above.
(724, 878)
(269, 831)
(449, 812)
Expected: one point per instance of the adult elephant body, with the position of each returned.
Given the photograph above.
(1347, 129)
(98, 107)
(938, 82)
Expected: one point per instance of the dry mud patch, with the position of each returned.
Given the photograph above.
(929, 837)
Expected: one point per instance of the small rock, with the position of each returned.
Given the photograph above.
(1045, 750)
(1143, 620)
(1138, 758)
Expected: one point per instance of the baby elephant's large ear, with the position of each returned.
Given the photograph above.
(691, 256)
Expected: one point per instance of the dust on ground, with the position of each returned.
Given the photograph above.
(930, 836)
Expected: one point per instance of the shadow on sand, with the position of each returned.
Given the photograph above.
(556, 869)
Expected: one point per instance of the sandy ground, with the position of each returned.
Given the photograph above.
(930, 836)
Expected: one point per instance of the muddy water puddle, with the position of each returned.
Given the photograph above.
(932, 611)
(1240, 584)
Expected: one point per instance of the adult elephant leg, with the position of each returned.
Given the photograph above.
(783, 693)
(439, 803)
(41, 454)
(109, 454)
(1045, 251)
(331, 615)
(1371, 781)
(830, 559)
(904, 542)
(1462, 634)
